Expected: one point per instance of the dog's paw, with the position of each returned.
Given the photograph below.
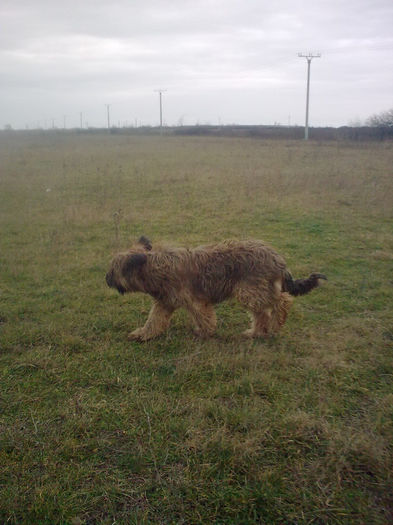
(202, 334)
(136, 335)
(251, 334)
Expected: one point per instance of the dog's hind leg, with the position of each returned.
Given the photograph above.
(204, 318)
(266, 303)
(280, 311)
(270, 319)
(261, 323)
(157, 322)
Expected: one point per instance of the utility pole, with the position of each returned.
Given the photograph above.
(308, 57)
(160, 92)
(108, 116)
(81, 120)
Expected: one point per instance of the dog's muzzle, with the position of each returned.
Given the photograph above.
(109, 279)
(111, 283)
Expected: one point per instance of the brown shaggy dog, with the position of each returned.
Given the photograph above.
(198, 278)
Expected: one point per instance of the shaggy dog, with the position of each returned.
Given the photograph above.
(198, 278)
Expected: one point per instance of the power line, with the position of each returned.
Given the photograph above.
(308, 57)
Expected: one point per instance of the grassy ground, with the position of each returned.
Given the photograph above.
(95, 429)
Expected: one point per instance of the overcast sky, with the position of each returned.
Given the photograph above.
(220, 61)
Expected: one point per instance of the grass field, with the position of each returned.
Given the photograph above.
(296, 429)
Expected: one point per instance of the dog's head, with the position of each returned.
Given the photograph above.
(124, 272)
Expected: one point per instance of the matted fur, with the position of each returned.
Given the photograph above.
(198, 278)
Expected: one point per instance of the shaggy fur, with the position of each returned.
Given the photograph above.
(198, 278)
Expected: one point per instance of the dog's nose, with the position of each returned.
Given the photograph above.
(108, 279)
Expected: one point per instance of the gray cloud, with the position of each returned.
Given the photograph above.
(220, 60)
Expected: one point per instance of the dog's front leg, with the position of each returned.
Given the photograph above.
(157, 322)
(204, 318)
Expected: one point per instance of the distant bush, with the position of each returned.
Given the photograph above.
(381, 120)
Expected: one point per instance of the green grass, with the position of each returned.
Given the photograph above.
(296, 429)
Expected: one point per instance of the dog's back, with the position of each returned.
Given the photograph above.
(219, 268)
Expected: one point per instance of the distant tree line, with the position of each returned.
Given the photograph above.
(363, 133)
(345, 133)
(377, 127)
(381, 120)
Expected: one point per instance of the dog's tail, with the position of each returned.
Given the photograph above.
(301, 286)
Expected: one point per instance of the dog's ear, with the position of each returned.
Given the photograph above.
(144, 241)
(136, 260)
